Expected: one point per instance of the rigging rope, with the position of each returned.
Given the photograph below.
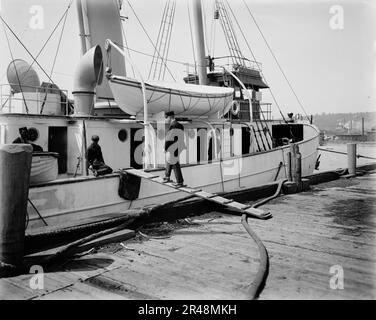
(15, 68)
(158, 66)
(55, 58)
(159, 35)
(44, 45)
(151, 41)
(257, 66)
(64, 15)
(27, 50)
(60, 38)
(150, 55)
(276, 60)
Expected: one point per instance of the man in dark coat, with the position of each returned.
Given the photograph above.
(25, 138)
(95, 158)
(173, 147)
(94, 152)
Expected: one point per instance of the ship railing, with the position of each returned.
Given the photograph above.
(218, 63)
(266, 110)
(233, 63)
(33, 100)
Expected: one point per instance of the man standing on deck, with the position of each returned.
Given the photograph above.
(173, 147)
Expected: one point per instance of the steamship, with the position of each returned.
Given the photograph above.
(232, 141)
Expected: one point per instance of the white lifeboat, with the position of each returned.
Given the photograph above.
(183, 99)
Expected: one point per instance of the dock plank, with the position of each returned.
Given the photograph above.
(212, 257)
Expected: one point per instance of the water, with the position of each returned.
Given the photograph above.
(332, 161)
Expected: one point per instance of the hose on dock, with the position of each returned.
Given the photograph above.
(263, 270)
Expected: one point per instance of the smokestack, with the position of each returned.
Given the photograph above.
(100, 20)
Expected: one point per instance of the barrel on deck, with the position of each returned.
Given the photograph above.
(15, 165)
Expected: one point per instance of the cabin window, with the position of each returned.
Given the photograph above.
(57, 142)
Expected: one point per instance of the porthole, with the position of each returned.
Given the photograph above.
(33, 134)
(123, 135)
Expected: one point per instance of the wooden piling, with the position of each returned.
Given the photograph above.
(15, 165)
(295, 165)
(289, 163)
(298, 171)
(351, 158)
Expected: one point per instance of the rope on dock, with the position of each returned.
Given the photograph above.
(125, 221)
(345, 153)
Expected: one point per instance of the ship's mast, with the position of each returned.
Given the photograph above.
(199, 41)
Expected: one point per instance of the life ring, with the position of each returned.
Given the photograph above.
(235, 108)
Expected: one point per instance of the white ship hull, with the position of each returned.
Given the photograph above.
(78, 198)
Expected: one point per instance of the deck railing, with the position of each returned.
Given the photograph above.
(32, 99)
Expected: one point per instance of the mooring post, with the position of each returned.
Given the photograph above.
(289, 163)
(351, 158)
(298, 170)
(15, 166)
(296, 164)
(294, 170)
(293, 160)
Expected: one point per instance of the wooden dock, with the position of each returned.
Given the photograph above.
(212, 257)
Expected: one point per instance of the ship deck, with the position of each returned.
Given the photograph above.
(212, 257)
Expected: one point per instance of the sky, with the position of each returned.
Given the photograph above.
(327, 49)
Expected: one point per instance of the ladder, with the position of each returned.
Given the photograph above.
(228, 29)
(231, 204)
(158, 64)
(265, 135)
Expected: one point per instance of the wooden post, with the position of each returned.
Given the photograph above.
(15, 166)
(293, 160)
(298, 170)
(289, 162)
(296, 165)
(351, 158)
